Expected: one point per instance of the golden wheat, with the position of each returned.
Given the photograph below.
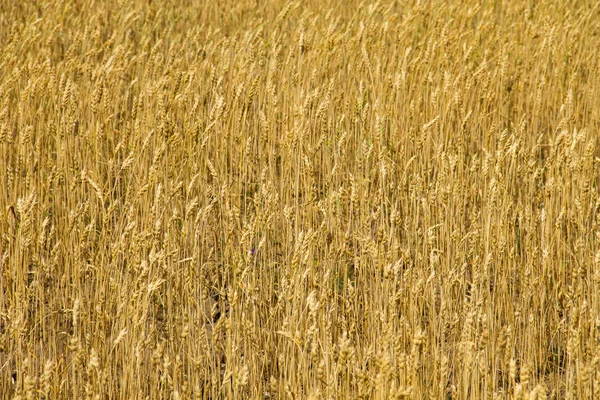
(299, 199)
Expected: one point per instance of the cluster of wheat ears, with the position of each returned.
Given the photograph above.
(310, 199)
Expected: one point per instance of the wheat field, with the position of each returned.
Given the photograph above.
(299, 200)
